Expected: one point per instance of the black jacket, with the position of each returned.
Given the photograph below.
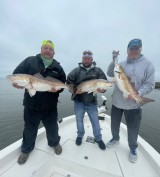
(80, 74)
(41, 100)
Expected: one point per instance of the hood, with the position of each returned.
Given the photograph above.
(140, 58)
(92, 66)
(55, 63)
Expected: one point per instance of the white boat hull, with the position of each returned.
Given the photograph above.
(86, 160)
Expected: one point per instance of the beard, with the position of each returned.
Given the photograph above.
(86, 65)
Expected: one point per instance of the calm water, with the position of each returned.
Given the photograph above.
(11, 114)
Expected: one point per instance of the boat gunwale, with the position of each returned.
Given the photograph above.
(144, 147)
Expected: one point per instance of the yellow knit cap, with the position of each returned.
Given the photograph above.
(48, 42)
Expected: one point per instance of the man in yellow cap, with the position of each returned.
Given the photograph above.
(43, 105)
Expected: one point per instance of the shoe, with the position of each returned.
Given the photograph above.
(22, 158)
(79, 141)
(112, 143)
(58, 149)
(101, 144)
(133, 156)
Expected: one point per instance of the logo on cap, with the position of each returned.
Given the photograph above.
(135, 43)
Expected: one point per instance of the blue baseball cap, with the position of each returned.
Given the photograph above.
(135, 43)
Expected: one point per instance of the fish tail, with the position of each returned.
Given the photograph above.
(70, 88)
(145, 100)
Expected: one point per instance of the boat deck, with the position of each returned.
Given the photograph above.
(86, 160)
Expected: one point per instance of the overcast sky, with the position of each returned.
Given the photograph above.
(77, 25)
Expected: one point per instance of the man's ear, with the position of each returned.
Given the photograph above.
(140, 49)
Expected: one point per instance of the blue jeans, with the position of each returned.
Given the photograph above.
(80, 108)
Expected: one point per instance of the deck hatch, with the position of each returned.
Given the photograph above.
(105, 161)
(90, 139)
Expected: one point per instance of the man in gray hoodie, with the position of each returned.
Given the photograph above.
(142, 75)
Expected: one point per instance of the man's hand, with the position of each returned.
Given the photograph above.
(130, 97)
(17, 86)
(101, 90)
(53, 90)
(79, 92)
(115, 54)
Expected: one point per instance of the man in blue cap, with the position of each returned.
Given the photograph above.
(142, 75)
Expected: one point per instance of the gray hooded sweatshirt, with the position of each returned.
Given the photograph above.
(142, 75)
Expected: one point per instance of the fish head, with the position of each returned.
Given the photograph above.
(19, 79)
(118, 68)
(118, 71)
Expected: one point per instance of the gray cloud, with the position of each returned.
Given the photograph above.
(74, 26)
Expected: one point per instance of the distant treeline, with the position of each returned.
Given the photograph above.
(157, 85)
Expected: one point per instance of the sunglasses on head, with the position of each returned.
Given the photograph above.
(87, 52)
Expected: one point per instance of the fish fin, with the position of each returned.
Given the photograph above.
(134, 87)
(79, 91)
(71, 88)
(38, 75)
(28, 86)
(145, 101)
(32, 92)
(89, 92)
(48, 78)
(125, 95)
(120, 76)
(129, 78)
